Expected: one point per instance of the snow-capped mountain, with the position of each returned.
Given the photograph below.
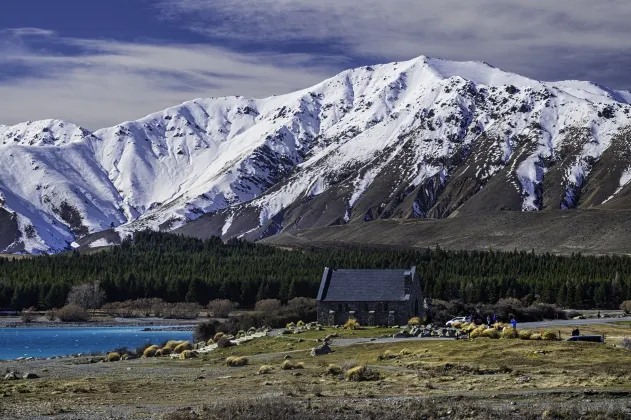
(422, 138)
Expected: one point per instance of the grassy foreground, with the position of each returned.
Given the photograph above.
(481, 378)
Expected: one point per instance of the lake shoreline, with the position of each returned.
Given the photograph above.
(183, 324)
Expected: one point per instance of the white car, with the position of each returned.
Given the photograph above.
(461, 319)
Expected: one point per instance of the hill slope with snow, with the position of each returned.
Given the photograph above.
(425, 138)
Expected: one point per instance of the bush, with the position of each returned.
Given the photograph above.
(549, 335)
(51, 315)
(491, 333)
(386, 355)
(268, 305)
(72, 313)
(352, 324)
(477, 332)
(333, 370)
(113, 357)
(204, 331)
(166, 351)
(525, 335)
(535, 336)
(304, 307)
(236, 361)
(218, 336)
(180, 348)
(510, 333)
(457, 325)
(361, 373)
(290, 326)
(220, 308)
(300, 324)
(405, 352)
(150, 351)
(415, 321)
(626, 343)
(27, 317)
(188, 354)
(626, 306)
(264, 370)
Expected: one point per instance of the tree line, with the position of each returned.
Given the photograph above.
(177, 269)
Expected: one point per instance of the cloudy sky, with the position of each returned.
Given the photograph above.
(98, 63)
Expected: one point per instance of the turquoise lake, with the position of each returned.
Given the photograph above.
(47, 342)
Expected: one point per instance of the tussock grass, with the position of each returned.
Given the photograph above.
(510, 333)
(186, 345)
(525, 335)
(218, 336)
(549, 335)
(405, 352)
(172, 344)
(361, 373)
(166, 351)
(113, 357)
(415, 321)
(150, 351)
(387, 355)
(188, 354)
(237, 361)
(334, 370)
(265, 369)
(491, 333)
(352, 324)
(300, 324)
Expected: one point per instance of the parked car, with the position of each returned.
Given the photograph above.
(588, 338)
(461, 319)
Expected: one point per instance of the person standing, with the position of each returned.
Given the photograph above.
(488, 321)
(513, 323)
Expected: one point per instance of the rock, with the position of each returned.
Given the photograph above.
(30, 375)
(322, 350)
(11, 376)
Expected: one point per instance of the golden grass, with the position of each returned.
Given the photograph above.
(414, 321)
(150, 351)
(188, 354)
(186, 345)
(113, 357)
(265, 370)
(172, 344)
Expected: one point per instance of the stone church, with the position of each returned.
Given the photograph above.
(373, 297)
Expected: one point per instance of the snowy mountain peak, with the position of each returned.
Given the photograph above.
(421, 138)
(42, 133)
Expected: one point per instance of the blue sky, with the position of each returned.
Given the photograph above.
(98, 63)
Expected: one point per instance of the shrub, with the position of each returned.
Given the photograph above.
(524, 334)
(457, 325)
(509, 333)
(469, 327)
(188, 354)
(626, 343)
(299, 365)
(220, 308)
(626, 306)
(172, 344)
(166, 351)
(549, 335)
(290, 326)
(218, 336)
(477, 332)
(287, 365)
(158, 352)
(51, 315)
(72, 313)
(415, 321)
(264, 370)
(268, 305)
(236, 361)
(349, 364)
(386, 355)
(113, 357)
(300, 324)
(207, 330)
(180, 348)
(352, 324)
(491, 333)
(224, 342)
(333, 370)
(150, 351)
(209, 342)
(27, 317)
(535, 336)
(361, 373)
(405, 352)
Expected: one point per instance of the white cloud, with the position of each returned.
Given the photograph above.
(113, 81)
(541, 38)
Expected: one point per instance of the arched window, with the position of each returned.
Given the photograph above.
(385, 307)
(365, 307)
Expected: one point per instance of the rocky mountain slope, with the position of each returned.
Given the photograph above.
(426, 138)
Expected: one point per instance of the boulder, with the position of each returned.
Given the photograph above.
(11, 376)
(30, 375)
(321, 350)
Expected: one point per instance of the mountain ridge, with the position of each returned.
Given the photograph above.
(425, 138)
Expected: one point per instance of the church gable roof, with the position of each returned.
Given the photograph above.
(364, 285)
